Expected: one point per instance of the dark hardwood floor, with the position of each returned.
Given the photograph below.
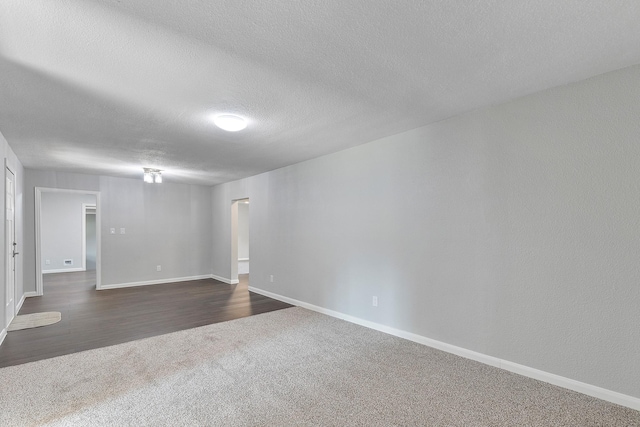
(93, 319)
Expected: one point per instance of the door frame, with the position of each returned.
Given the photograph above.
(8, 242)
(86, 207)
(38, 221)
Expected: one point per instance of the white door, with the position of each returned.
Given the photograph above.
(10, 242)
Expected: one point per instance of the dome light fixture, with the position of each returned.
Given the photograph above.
(230, 122)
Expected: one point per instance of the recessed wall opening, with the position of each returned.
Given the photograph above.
(239, 239)
(89, 236)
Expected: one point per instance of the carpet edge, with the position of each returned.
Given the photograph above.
(547, 377)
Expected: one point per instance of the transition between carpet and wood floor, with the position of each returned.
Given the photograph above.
(93, 319)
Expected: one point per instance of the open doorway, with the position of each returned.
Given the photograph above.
(89, 233)
(243, 236)
(67, 235)
(240, 240)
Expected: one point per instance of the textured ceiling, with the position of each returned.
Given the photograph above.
(107, 87)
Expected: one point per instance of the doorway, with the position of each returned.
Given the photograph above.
(89, 239)
(67, 233)
(239, 239)
(10, 245)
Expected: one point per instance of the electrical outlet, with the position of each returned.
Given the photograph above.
(122, 230)
(48, 262)
(158, 268)
(271, 278)
(112, 231)
(374, 301)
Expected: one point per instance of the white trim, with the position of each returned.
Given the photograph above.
(30, 294)
(38, 223)
(19, 305)
(568, 383)
(10, 260)
(63, 270)
(225, 280)
(83, 250)
(243, 259)
(3, 335)
(153, 282)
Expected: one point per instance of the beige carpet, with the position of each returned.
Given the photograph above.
(285, 368)
(35, 320)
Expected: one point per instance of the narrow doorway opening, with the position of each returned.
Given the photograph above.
(240, 241)
(89, 233)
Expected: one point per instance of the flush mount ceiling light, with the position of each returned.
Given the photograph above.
(230, 122)
(152, 176)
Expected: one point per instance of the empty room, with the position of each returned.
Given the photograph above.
(359, 212)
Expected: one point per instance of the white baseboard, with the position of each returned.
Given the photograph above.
(30, 294)
(225, 280)
(153, 282)
(580, 387)
(3, 335)
(63, 270)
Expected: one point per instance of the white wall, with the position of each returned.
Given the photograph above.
(513, 231)
(14, 164)
(165, 224)
(61, 232)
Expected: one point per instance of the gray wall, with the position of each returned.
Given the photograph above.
(14, 164)
(167, 224)
(513, 231)
(61, 233)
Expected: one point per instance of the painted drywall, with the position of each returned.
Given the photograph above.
(165, 224)
(513, 231)
(12, 162)
(313, 76)
(61, 232)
